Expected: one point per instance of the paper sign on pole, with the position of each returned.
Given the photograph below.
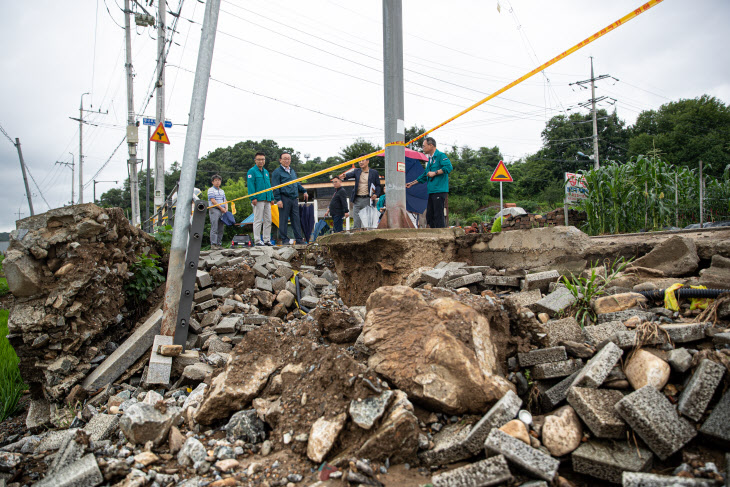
(501, 174)
(576, 188)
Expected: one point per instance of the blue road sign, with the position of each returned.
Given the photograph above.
(153, 123)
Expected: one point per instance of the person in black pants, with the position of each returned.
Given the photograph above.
(287, 199)
(436, 176)
(338, 205)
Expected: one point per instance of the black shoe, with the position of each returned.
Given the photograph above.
(268, 243)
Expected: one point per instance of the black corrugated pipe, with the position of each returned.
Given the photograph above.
(686, 292)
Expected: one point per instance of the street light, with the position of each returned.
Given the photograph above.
(95, 181)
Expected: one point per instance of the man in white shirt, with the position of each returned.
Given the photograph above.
(216, 196)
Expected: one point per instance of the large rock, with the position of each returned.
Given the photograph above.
(144, 422)
(717, 276)
(675, 257)
(618, 302)
(562, 431)
(246, 426)
(645, 368)
(397, 436)
(323, 435)
(440, 353)
(23, 273)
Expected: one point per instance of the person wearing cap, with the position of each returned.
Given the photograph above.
(338, 205)
(287, 199)
(216, 197)
(366, 190)
(259, 180)
(436, 176)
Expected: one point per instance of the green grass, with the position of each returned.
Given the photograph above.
(12, 386)
(3, 282)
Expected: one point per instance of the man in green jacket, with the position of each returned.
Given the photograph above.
(436, 176)
(287, 199)
(258, 180)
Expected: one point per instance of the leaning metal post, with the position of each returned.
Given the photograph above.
(191, 151)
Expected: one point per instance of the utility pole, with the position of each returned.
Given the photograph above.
(71, 165)
(395, 155)
(20, 213)
(160, 101)
(132, 129)
(81, 145)
(592, 102)
(25, 178)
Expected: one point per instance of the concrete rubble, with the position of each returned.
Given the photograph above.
(460, 373)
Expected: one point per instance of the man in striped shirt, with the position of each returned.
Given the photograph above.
(216, 196)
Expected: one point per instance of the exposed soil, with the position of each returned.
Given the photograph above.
(238, 278)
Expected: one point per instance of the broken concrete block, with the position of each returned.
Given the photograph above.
(128, 353)
(675, 257)
(211, 318)
(531, 460)
(622, 316)
(323, 435)
(555, 370)
(255, 319)
(143, 422)
(542, 356)
(598, 368)
(596, 408)
(84, 471)
(39, 415)
(607, 460)
(492, 471)
(566, 329)
(264, 284)
(679, 359)
(689, 332)
(285, 298)
(597, 334)
(465, 280)
(287, 253)
(504, 281)
(618, 302)
(721, 339)
(283, 271)
(222, 292)
(211, 303)
(555, 302)
(525, 299)
(203, 279)
(260, 271)
(309, 302)
(557, 393)
(539, 280)
(101, 426)
(639, 479)
(170, 350)
(160, 367)
(433, 276)
(227, 324)
(717, 425)
(655, 420)
(699, 390)
(204, 295)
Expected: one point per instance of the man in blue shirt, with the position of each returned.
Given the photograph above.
(436, 176)
(287, 199)
(216, 196)
(259, 180)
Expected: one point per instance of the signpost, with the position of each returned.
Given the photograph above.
(160, 135)
(576, 190)
(502, 175)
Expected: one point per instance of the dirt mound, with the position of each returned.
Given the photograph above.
(238, 278)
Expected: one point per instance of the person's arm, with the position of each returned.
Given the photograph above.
(251, 187)
(376, 193)
(275, 181)
(446, 166)
(347, 175)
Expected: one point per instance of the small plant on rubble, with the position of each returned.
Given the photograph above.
(164, 236)
(585, 289)
(147, 275)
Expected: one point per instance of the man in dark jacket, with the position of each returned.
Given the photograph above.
(366, 190)
(287, 199)
(338, 205)
(436, 176)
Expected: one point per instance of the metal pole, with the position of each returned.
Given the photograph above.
(702, 197)
(81, 149)
(501, 216)
(94, 190)
(186, 186)
(73, 163)
(147, 191)
(676, 199)
(160, 101)
(132, 129)
(395, 155)
(596, 165)
(25, 178)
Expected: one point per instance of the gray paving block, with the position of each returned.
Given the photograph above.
(525, 299)
(465, 443)
(309, 302)
(721, 339)
(699, 390)
(203, 295)
(717, 425)
(596, 408)
(235, 261)
(227, 324)
(287, 253)
(465, 280)
(598, 368)
(203, 279)
(125, 355)
(566, 329)
(624, 315)
(539, 280)
(596, 334)
(433, 276)
(223, 292)
(555, 302)
(542, 356)
(689, 332)
(492, 471)
(54, 439)
(83, 472)
(211, 303)
(680, 359)
(526, 458)
(159, 367)
(607, 460)
(211, 318)
(504, 281)
(260, 271)
(638, 479)
(557, 393)
(264, 284)
(650, 414)
(255, 319)
(101, 426)
(556, 370)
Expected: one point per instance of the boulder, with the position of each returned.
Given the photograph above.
(562, 431)
(323, 435)
(645, 368)
(618, 302)
(717, 276)
(23, 274)
(246, 426)
(440, 353)
(144, 422)
(675, 257)
(397, 436)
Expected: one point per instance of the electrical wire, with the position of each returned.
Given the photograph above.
(112, 17)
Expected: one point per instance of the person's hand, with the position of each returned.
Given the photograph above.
(431, 174)
(225, 208)
(254, 201)
(326, 213)
(374, 197)
(347, 215)
(408, 185)
(342, 176)
(280, 204)
(382, 210)
(306, 196)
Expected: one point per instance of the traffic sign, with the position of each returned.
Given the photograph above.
(160, 135)
(152, 122)
(501, 174)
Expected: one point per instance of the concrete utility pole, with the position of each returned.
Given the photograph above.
(81, 149)
(132, 129)
(25, 178)
(160, 100)
(191, 151)
(592, 102)
(395, 155)
(70, 164)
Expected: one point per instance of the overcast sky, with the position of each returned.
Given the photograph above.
(277, 63)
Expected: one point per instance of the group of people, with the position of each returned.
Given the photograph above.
(367, 191)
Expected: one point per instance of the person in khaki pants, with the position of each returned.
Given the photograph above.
(258, 179)
(216, 196)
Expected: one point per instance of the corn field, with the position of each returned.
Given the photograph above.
(650, 194)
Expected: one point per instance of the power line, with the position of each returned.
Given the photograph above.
(87, 183)
(110, 15)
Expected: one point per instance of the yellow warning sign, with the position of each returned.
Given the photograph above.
(501, 174)
(160, 135)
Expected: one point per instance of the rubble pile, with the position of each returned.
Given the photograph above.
(66, 269)
(465, 376)
(550, 219)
